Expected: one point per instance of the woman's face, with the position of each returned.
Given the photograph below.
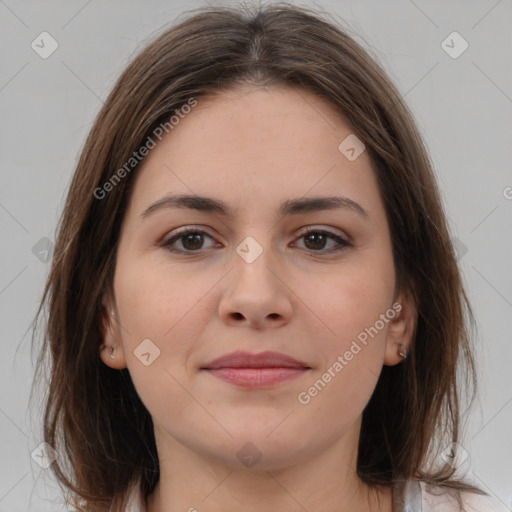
(251, 279)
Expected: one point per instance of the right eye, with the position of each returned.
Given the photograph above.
(191, 240)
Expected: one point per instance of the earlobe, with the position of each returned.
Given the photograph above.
(111, 350)
(113, 356)
(401, 331)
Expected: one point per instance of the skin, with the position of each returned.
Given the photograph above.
(254, 148)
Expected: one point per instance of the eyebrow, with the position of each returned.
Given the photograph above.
(288, 207)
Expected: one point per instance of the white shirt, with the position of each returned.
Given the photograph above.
(414, 496)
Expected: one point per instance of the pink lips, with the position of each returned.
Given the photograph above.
(255, 370)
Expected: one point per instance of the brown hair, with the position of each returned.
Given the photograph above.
(93, 414)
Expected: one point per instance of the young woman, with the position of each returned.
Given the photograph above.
(254, 303)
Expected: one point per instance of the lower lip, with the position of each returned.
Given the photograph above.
(256, 377)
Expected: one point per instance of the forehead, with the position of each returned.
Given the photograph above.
(251, 144)
(262, 123)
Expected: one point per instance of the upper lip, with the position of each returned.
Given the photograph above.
(268, 359)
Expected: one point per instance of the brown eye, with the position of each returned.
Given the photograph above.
(316, 240)
(191, 240)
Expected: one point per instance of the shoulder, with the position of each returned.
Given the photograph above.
(135, 501)
(443, 499)
(418, 497)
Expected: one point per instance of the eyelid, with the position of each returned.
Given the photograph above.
(175, 234)
(186, 229)
(315, 228)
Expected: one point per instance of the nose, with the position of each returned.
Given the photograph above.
(256, 294)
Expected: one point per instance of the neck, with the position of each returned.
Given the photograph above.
(194, 483)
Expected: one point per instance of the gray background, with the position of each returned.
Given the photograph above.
(463, 107)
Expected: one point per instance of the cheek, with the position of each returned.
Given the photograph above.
(350, 300)
(156, 299)
(354, 306)
(352, 352)
(156, 304)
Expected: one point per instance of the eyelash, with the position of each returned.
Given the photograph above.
(342, 244)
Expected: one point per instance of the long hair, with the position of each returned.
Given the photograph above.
(93, 416)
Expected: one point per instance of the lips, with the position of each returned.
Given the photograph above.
(262, 370)
(267, 359)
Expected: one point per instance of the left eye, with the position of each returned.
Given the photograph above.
(192, 240)
(315, 238)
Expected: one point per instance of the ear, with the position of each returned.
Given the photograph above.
(111, 349)
(401, 329)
